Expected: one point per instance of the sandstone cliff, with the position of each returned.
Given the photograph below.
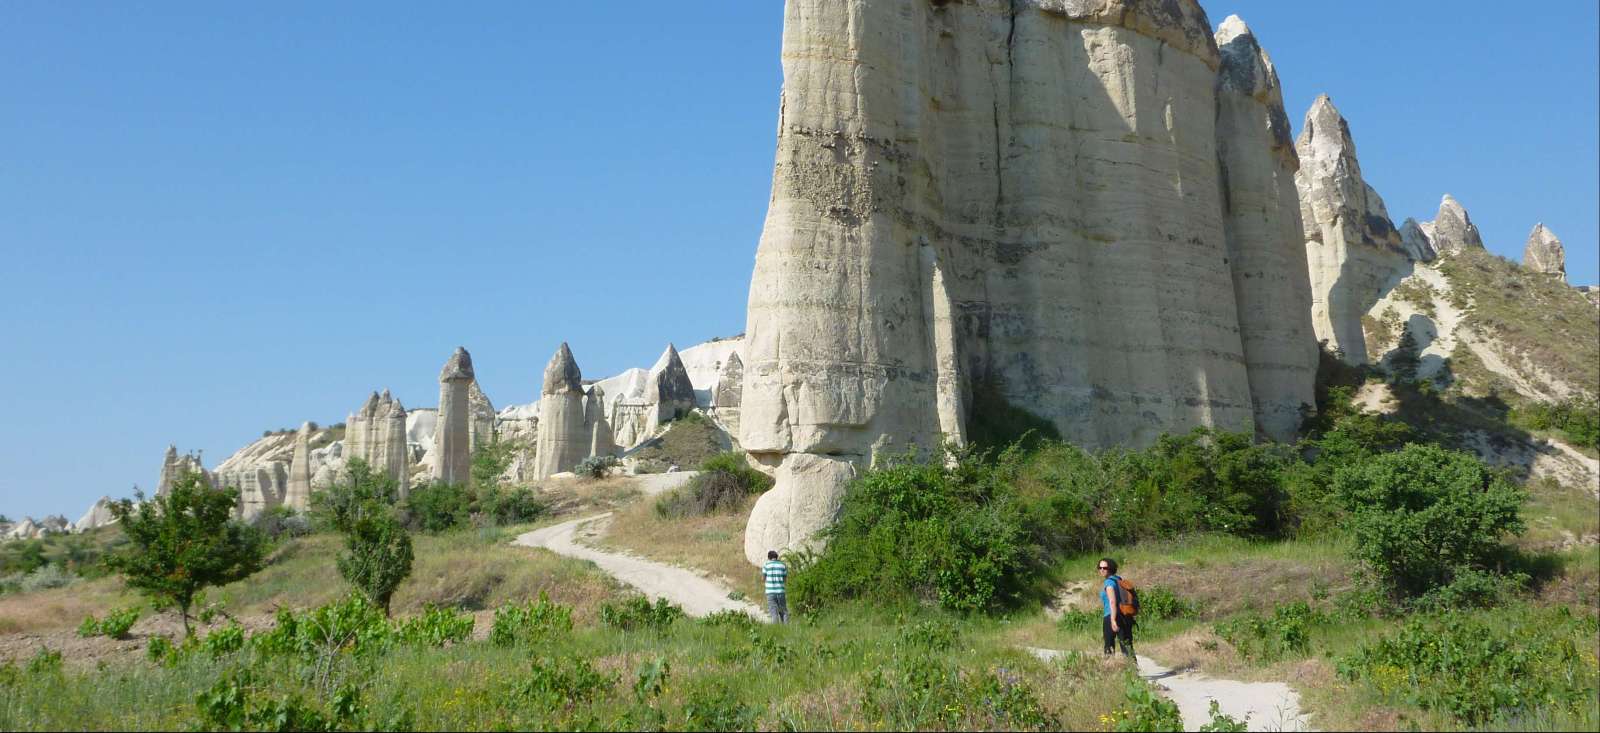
(1027, 196)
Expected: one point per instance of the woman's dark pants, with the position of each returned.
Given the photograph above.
(1123, 634)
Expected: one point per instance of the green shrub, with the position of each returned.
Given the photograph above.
(436, 507)
(933, 635)
(280, 521)
(1286, 632)
(565, 682)
(1076, 620)
(160, 649)
(952, 532)
(1578, 421)
(1420, 516)
(44, 662)
(529, 623)
(595, 466)
(714, 706)
(638, 612)
(721, 486)
(516, 505)
(224, 641)
(46, 577)
(116, 624)
(377, 556)
(735, 619)
(1146, 710)
(1221, 723)
(436, 627)
(1159, 602)
(1479, 667)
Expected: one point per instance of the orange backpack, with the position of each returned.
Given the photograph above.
(1128, 598)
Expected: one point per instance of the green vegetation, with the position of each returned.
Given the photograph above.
(1532, 315)
(723, 484)
(115, 625)
(184, 541)
(1575, 421)
(377, 556)
(688, 441)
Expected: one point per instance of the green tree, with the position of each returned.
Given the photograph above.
(184, 541)
(1423, 515)
(377, 557)
(362, 489)
(1404, 360)
(489, 463)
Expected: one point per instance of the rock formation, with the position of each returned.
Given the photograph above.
(98, 515)
(480, 426)
(1352, 248)
(726, 396)
(174, 466)
(357, 428)
(601, 442)
(297, 490)
(1544, 253)
(670, 389)
(453, 433)
(1415, 243)
(1263, 230)
(563, 440)
(1031, 197)
(392, 456)
(1452, 230)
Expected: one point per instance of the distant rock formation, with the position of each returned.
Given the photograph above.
(452, 434)
(1452, 230)
(393, 456)
(297, 490)
(601, 441)
(670, 389)
(174, 465)
(1544, 253)
(728, 393)
(1353, 251)
(480, 427)
(563, 440)
(98, 515)
(1414, 242)
(1029, 197)
(358, 426)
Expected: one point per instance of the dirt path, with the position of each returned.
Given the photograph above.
(697, 596)
(1264, 706)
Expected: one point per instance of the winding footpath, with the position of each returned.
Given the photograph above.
(1264, 706)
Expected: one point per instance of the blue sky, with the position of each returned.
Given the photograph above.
(217, 219)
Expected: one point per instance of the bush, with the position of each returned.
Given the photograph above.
(280, 521)
(1146, 710)
(378, 556)
(639, 613)
(224, 641)
(1478, 667)
(557, 683)
(1578, 421)
(510, 506)
(722, 485)
(436, 507)
(1421, 516)
(115, 626)
(45, 578)
(714, 706)
(1287, 632)
(529, 623)
(951, 532)
(1158, 602)
(595, 466)
(436, 627)
(183, 541)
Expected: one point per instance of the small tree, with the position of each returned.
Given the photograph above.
(378, 556)
(1405, 360)
(489, 463)
(340, 505)
(184, 541)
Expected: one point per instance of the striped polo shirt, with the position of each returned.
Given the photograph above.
(774, 572)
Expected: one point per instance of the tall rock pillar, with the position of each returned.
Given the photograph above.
(452, 438)
(563, 440)
(1264, 234)
(393, 455)
(1353, 252)
(297, 490)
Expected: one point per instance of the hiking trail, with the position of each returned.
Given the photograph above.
(1263, 706)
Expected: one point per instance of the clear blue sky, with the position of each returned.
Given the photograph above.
(217, 219)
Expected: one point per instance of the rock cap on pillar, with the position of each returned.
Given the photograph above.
(1544, 253)
(562, 375)
(458, 368)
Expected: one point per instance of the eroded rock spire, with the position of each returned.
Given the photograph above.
(1544, 253)
(564, 439)
(452, 436)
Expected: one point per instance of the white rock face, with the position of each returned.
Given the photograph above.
(98, 515)
(1263, 228)
(563, 439)
(453, 436)
(1021, 195)
(1353, 252)
(1544, 253)
(1415, 242)
(480, 428)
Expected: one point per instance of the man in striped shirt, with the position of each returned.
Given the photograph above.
(773, 574)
